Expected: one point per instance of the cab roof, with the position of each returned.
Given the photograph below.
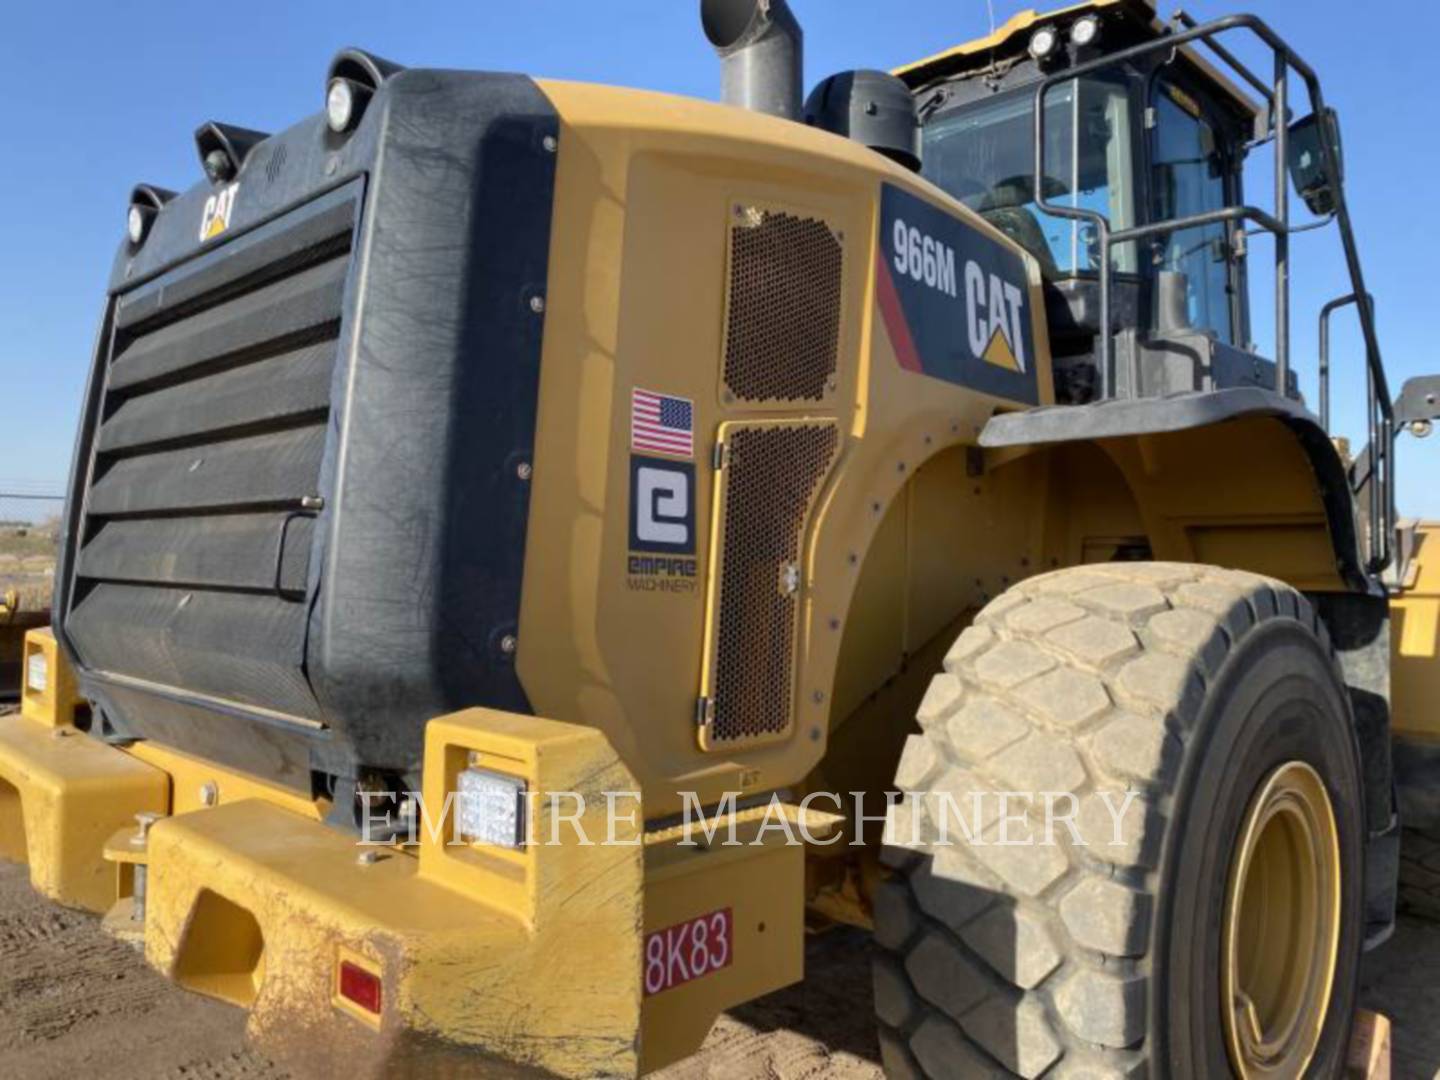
(1013, 38)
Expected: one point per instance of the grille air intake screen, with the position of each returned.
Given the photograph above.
(201, 507)
(782, 327)
(772, 474)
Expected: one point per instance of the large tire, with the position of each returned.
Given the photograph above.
(1191, 685)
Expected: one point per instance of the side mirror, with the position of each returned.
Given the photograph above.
(1307, 161)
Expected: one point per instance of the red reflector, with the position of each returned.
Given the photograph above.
(360, 986)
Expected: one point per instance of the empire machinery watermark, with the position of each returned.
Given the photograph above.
(508, 815)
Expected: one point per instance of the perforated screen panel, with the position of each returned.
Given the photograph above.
(782, 326)
(772, 474)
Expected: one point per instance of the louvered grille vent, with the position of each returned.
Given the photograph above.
(193, 566)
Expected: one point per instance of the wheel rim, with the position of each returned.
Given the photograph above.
(1282, 926)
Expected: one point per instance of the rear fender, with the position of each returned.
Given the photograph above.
(1238, 477)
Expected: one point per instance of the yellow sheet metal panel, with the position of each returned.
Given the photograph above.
(73, 792)
(1415, 644)
(648, 188)
(971, 537)
(874, 638)
(48, 692)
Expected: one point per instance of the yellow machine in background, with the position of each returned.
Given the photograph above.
(1416, 610)
(1415, 635)
(521, 464)
(21, 609)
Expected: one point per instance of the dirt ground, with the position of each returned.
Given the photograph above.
(73, 1003)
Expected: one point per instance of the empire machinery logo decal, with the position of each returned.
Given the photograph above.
(662, 494)
(955, 303)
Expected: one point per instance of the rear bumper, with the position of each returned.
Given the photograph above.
(259, 906)
(62, 795)
(574, 955)
(488, 962)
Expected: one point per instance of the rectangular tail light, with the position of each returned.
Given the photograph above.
(358, 989)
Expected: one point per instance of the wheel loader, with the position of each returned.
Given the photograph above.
(536, 551)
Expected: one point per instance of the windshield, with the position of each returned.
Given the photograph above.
(983, 154)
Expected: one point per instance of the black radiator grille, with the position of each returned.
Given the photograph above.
(195, 548)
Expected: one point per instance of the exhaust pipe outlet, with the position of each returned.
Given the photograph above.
(762, 54)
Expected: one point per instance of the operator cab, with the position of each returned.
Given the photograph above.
(1161, 138)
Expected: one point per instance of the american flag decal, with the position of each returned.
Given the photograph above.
(662, 424)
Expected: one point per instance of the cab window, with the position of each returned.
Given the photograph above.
(983, 155)
(1189, 176)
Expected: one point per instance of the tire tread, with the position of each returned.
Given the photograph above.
(1150, 636)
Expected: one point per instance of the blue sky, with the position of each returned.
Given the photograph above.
(103, 95)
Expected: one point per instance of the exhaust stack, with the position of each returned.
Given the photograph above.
(762, 53)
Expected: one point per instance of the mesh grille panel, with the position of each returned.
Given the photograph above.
(772, 477)
(782, 331)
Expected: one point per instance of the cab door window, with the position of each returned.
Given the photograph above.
(983, 154)
(1189, 175)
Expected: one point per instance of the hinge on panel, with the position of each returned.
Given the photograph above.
(717, 457)
(704, 711)
(1150, 119)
